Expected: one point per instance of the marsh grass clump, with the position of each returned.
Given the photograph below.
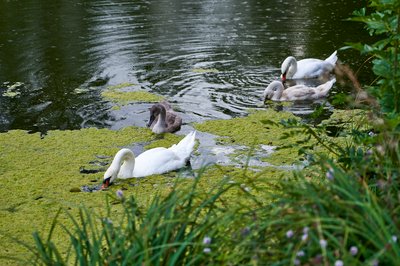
(348, 215)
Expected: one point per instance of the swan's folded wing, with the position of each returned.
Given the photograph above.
(312, 68)
(174, 122)
(156, 161)
(297, 93)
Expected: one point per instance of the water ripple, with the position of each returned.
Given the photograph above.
(212, 58)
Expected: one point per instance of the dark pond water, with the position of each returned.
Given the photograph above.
(211, 58)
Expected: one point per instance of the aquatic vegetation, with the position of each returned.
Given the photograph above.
(121, 86)
(259, 127)
(118, 94)
(205, 70)
(13, 90)
(286, 133)
(47, 172)
(11, 94)
(82, 90)
(54, 167)
(187, 225)
(39, 175)
(132, 96)
(247, 130)
(58, 164)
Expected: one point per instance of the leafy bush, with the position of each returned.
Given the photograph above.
(383, 21)
(344, 209)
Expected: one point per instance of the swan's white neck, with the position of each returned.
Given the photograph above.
(289, 66)
(127, 159)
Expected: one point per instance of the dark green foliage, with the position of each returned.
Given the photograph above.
(383, 21)
(341, 100)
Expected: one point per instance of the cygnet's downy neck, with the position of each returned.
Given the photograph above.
(278, 93)
(161, 125)
(274, 91)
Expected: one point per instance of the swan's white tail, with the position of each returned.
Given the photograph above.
(324, 88)
(185, 147)
(332, 58)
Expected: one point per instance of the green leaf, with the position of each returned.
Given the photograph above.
(360, 12)
(382, 68)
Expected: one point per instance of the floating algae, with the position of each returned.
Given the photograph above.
(125, 93)
(13, 90)
(39, 174)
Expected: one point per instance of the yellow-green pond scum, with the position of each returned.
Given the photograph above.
(125, 93)
(39, 174)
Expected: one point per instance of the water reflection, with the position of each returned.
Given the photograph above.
(212, 58)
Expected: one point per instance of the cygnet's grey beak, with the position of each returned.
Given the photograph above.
(151, 120)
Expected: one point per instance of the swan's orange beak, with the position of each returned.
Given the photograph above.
(106, 183)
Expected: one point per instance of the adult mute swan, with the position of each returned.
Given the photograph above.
(277, 92)
(154, 161)
(163, 118)
(307, 68)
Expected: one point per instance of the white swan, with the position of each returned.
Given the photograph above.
(163, 118)
(154, 161)
(277, 92)
(307, 68)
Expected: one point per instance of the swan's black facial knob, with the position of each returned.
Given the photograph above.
(106, 183)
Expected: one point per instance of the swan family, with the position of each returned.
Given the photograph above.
(163, 119)
(309, 68)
